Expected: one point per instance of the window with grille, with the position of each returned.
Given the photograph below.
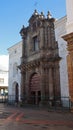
(35, 44)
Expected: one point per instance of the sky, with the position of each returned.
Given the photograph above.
(16, 13)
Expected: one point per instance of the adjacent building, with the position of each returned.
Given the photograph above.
(4, 75)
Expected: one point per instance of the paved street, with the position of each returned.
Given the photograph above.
(16, 118)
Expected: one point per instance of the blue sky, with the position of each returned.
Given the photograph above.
(15, 13)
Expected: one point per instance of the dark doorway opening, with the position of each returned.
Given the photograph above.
(33, 97)
(16, 93)
(39, 96)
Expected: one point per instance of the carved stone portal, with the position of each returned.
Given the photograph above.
(40, 60)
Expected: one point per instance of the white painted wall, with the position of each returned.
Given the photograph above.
(60, 30)
(15, 53)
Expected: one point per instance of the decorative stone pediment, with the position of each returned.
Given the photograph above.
(36, 20)
(34, 16)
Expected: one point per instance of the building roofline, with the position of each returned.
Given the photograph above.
(63, 19)
(15, 44)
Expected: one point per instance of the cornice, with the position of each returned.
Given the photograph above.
(68, 38)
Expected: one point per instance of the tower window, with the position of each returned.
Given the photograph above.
(35, 44)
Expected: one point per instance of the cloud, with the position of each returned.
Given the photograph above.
(4, 62)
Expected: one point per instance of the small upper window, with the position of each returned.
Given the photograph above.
(35, 44)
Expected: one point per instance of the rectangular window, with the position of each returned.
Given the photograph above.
(1, 80)
(35, 44)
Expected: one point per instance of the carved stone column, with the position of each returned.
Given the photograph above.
(51, 95)
(23, 61)
(47, 83)
(42, 83)
(23, 93)
(23, 35)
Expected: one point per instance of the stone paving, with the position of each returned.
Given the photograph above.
(15, 118)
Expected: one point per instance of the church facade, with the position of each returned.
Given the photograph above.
(38, 65)
(40, 75)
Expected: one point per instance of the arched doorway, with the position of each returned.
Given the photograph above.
(15, 92)
(35, 90)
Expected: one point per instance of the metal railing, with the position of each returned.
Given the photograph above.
(58, 103)
(3, 98)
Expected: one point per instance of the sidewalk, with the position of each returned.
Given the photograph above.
(35, 119)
